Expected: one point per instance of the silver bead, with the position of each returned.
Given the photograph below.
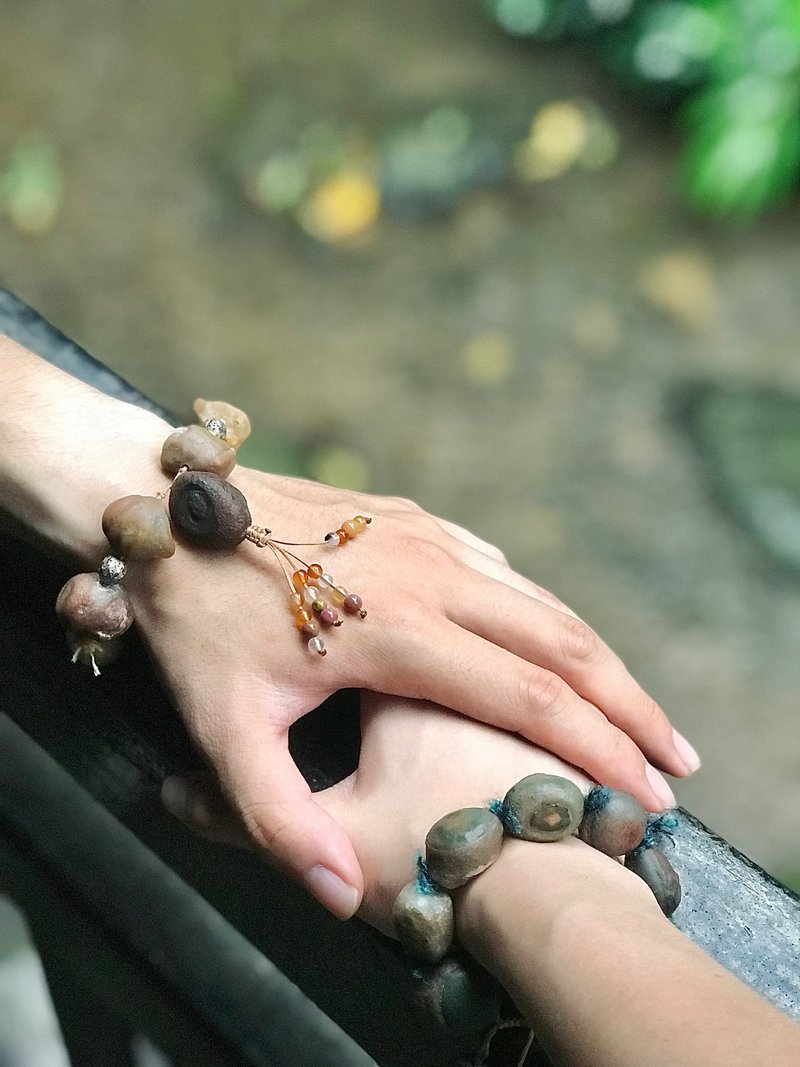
(217, 427)
(111, 571)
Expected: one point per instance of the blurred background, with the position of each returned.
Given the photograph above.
(531, 263)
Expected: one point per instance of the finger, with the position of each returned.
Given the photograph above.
(489, 560)
(566, 646)
(279, 813)
(200, 806)
(461, 670)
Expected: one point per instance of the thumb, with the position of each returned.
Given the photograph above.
(272, 801)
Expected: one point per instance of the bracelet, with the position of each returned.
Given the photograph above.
(208, 512)
(541, 807)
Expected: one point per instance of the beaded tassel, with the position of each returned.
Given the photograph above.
(210, 513)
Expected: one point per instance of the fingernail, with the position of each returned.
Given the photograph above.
(686, 752)
(332, 891)
(175, 795)
(660, 787)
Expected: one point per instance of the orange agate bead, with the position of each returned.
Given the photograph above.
(300, 579)
(315, 571)
(302, 618)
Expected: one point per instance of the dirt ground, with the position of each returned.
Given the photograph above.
(509, 363)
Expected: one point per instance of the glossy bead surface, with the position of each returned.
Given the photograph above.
(332, 540)
(423, 923)
(461, 845)
(353, 604)
(341, 533)
(310, 629)
(89, 607)
(614, 821)
(318, 604)
(314, 571)
(653, 867)
(360, 523)
(237, 424)
(338, 595)
(208, 511)
(302, 616)
(137, 527)
(295, 601)
(300, 580)
(329, 617)
(316, 644)
(194, 447)
(350, 528)
(547, 806)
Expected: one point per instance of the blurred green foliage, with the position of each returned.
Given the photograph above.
(731, 67)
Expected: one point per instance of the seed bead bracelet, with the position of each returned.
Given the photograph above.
(208, 512)
(541, 807)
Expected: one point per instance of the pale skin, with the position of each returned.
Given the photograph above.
(449, 621)
(577, 940)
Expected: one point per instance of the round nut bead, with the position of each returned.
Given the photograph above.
(194, 447)
(653, 867)
(423, 922)
(461, 845)
(137, 527)
(461, 996)
(237, 424)
(613, 822)
(89, 607)
(208, 511)
(547, 806)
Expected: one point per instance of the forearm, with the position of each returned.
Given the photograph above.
(67, 450)
(603, 978)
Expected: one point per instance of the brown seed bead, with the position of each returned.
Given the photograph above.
(208, 511)
(310, 629)
(548, 806)
(654, 868)
(613, 822)
(137, 527)
(350, 528)
(88, 607)
(301, 618)
(423, 923)
(461, 845)
(194, 447)
(352, 604)
(315, 571)
(237, 424)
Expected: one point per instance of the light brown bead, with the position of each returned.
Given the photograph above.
(237, 424)
(350, 528)
(462, 844)
(194, 447)
(423, 923)
(137, 527)
(614, 821)
(87, 607)
(547, 806)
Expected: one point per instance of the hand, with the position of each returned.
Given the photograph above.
(448, 622)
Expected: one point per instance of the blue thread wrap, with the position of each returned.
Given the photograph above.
(507, 816)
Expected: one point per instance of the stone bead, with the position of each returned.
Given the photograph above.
(314, 571)
(329, 617)
(301, 618)
(360, 522)
(208, 511)
(137, 527)
(237, 424)
(353, 604)
(423, 923)
(461, 845)
(350, 528)
(548, 807)
(653, 867)
(460, 995)
(300, 580)
(295, 601)
(194, 447)
(614, 821)
(310, 628)
(338, 595)
(89, 607)
(316, 644)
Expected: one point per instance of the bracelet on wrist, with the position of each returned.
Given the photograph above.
(207, 512)
(541, 807)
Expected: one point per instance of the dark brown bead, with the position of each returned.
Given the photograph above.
(654, 868)
(208, 511)
(89, 607)
(616, 824)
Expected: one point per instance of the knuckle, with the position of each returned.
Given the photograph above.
(578, 641)
(268, 825)
(545, 692)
